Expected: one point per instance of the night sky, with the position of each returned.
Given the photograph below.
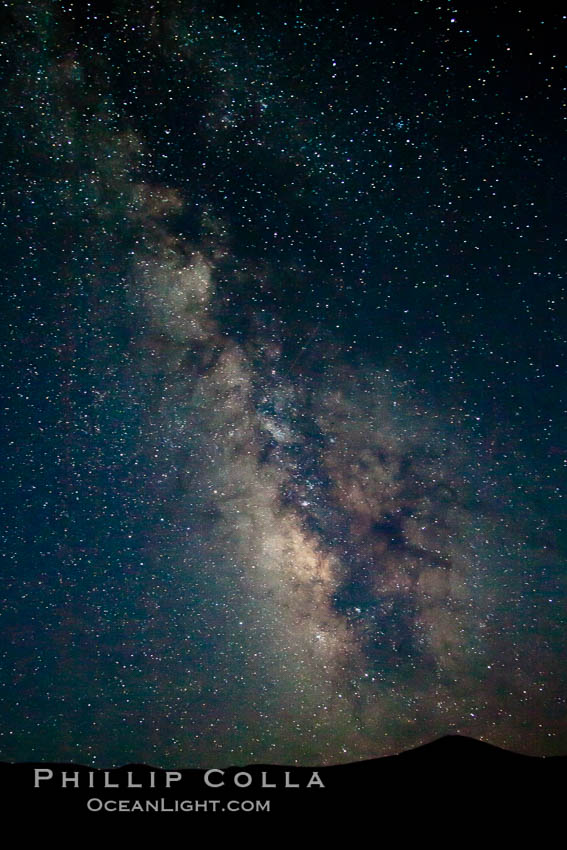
(283, 377)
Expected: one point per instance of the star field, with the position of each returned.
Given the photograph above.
(284, 381)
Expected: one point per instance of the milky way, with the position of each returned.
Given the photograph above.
(284, 385)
